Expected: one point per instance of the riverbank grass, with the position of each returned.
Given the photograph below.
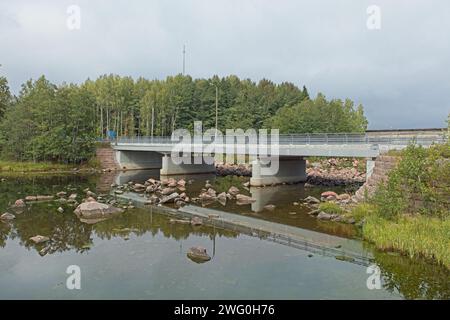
(18, 167)
(417, 236)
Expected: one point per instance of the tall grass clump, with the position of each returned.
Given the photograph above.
(413, 236)
(331, 207)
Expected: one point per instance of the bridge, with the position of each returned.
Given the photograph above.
(155, 152)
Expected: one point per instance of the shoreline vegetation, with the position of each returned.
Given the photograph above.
(410, 212)
(20, 167)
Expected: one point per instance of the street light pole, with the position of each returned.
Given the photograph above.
(217, 111)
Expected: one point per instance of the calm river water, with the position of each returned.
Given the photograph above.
(140, 255)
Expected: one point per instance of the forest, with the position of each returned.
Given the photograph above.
(61, 123)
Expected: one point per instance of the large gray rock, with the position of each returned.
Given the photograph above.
(198, 254)
(96, 210)
(222, 198)
(233, 190)
(324, 216)
(311, 199)
(169, 198)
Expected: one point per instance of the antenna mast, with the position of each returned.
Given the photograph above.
(184, 59)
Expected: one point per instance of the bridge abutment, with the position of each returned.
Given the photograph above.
(197, 165)
(290, 170)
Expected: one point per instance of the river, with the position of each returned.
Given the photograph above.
(141, 255)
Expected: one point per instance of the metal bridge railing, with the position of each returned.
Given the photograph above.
(306, 139)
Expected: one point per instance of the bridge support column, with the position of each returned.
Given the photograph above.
(170, 168)
(370, 164)
(290, 170)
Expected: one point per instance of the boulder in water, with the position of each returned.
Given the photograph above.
(7, 216)
(198, 255)
(243, 199)
(233, 190)
(39, 239)
(96, 210)
(19, 203)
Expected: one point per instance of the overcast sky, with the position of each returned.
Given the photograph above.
(400, 72)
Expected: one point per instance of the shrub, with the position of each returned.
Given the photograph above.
(419, 184)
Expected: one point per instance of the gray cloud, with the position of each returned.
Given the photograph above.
(399, 73)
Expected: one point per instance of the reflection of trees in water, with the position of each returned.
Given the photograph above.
(68, 233)
(65, 230)
(15, 187)
(140, 222)
(4, 232)
(413, 278)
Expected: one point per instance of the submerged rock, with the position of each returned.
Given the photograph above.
(60, 210)
(311, 199)
(243, 199)
(198, 254)
(269, 207)
(181, 221)
(167, 191)
(39, 239)
(7, 216)
(314, 212)
(324, 216)
(196, 221)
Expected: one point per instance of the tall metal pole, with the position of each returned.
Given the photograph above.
(184, 59)
(153, 117)
(217, 109)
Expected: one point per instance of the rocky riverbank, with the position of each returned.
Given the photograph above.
(326, 172)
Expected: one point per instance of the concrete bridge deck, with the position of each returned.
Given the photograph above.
(290, 150)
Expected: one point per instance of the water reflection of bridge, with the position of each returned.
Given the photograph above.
(263, 196)
(348, 250)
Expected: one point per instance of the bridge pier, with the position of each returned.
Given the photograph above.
(197, 165)
(290, 170)
(138, 159)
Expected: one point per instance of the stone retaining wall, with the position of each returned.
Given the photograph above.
(383, 165)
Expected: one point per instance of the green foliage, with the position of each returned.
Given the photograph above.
(419, 236)
(331, 207)
(19, 167)
(5, 96)
(363, 210)
(131, 107)
(419, 184)
(319, 116)
(49, 123)
(58, 123)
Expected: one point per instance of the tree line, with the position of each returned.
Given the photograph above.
(61, 122)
